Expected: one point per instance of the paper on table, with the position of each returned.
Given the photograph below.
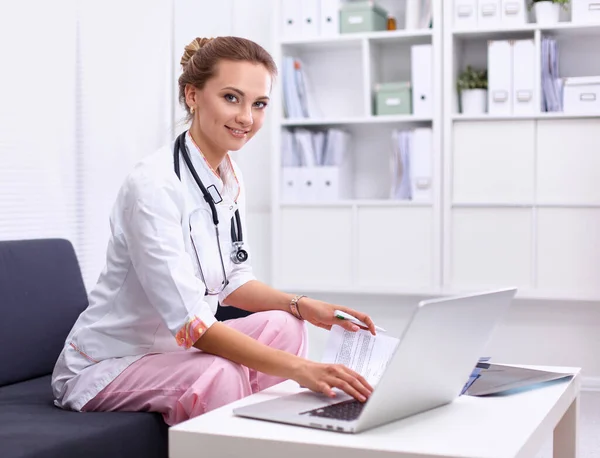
(360, 351)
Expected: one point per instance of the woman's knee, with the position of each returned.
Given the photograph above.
(285, 331)
(230, 376)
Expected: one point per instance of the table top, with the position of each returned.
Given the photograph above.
(515, 424)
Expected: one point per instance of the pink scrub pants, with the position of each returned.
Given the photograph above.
(182, 385)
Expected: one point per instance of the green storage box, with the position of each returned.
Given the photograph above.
(393, 98)
(362, 17)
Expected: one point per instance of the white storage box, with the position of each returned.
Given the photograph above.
(582, 95)
(465, 14)
(513, 12)
(490, 14)
(585, 11)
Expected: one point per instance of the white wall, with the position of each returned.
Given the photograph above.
(536, 332)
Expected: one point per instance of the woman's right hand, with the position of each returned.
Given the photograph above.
(322, 378)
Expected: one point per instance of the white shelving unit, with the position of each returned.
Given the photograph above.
(369, 242)
(515, 200)
(521, 199)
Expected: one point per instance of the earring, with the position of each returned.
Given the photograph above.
(192, 110)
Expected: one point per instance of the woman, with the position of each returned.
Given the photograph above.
(149, 340)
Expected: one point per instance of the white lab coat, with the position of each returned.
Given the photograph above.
(150, 298)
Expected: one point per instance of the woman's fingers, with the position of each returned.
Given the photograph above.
(326, 389)
(351, 383)
(362, 317)
(348, 325)
(349, 389)
(361, 379)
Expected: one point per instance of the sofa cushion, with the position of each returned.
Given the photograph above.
(41, 295)
(31, 426)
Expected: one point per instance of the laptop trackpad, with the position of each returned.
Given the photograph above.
(292, 404)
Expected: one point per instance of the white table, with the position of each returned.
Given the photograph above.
(515, 425)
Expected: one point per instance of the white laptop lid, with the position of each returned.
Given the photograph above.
(436, 354)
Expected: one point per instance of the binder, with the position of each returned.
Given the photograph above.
(465, 14)
(490, 15)
(422, 80)
(290, 184)
(585, 11)
(421, 165)
(307, 189)
(412, 15)
(513, 12)
(329, 18)
(291, 17)
(500, 65)
(309, 27)
(523, 93)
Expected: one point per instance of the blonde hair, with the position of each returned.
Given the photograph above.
(201, 56)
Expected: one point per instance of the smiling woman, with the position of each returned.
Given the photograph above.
(225, 84)
(149, 339)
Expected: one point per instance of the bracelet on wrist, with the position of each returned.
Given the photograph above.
(294, 306)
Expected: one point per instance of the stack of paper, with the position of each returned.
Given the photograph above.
(298, 98)
(552, 84)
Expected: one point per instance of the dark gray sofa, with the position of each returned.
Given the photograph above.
(41, 296)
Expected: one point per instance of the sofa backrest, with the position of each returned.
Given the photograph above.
(41, 295)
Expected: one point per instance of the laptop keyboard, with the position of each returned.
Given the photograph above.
(345, 410)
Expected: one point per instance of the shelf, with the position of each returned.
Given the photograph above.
(522, 294)
(561, 29)
(389, 119)
(408, 36)
(419, 35)
(358, 203)
(499, 32)
(554, 115)
(523, 205)
(565, 29)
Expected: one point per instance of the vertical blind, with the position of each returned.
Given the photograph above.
(85, 95)
(38, 192)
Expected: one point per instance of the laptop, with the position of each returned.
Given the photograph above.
(433, 360)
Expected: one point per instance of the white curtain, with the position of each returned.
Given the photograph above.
(85, 92)
(37, 120)
(125, 105)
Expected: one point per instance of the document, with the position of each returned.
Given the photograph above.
(361, 351)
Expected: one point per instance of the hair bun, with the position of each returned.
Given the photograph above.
(191, 49)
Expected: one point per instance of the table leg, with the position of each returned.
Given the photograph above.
(565, 433)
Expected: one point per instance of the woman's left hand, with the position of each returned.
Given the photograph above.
(321, 314)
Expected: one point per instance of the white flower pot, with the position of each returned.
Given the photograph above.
(473, 101)
(547, 13)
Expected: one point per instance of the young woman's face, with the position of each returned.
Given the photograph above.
(231, 106)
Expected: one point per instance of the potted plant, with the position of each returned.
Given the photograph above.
(472, 87)
(547, 12)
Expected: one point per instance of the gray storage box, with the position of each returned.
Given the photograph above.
(362, 17)
(393, 98)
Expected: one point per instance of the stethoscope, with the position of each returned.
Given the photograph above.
(238, 255)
